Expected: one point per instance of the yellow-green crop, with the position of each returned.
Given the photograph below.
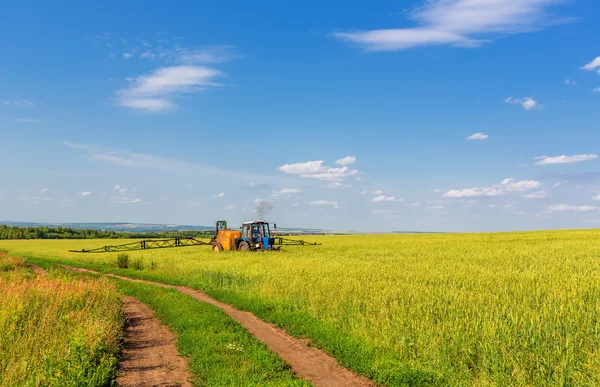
(454, 309)
(57, 330)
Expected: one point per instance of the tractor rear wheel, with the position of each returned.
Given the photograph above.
(244, 246)
(217, 248)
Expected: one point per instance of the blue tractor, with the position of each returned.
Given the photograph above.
(256, 235)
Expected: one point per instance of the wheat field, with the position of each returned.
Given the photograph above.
(518, 309)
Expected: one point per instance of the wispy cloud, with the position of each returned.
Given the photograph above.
(536, 195)
(507, 185)
(478, 136)
(18, 102)
(316, 170)
(348, 160)
(325, 203)
(85, 193)
(383, 212)
(27, 120)
(125, 200)
(570, 82)
(129, 159)
(526, 103)
(567, 207)
(547, 160)
(289, 191)
(154, 92)
(593, 65)
(459, 23)
(219, 195)
(383, 198)
(596, 90)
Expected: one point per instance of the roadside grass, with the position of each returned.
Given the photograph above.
(57, 330)
(489, 309)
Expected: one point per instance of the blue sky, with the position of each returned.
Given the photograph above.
(441, 115)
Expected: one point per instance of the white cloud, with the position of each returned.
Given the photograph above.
(290, 191)
(383, 198)
(229, 207)
(219, 195)
(416, 204)
(477, 136)
(597, 197)
(566, 207)
(348, 160)
(458, 23)
(154, 92)
(84, 193)
(546, 160)
(125, 200)
(593, 65)
(473, 192)
(507, 185)
(511, 185)
(536, 195)
(364, 192)
(44, 190)
(494, 205)
(316, 170)
(127, 56)
(378, 192)
(570, 82)
(527, 103)
(120, 189)
(556, 185)
(596, 90)
(27, 120)
(323, 203)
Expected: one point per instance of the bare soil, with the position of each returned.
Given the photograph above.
(307, 362)
(149, 356)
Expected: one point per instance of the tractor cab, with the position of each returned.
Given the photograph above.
(257, 236)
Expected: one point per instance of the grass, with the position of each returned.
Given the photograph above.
(57, 330)
(514, 309)
(220, 351)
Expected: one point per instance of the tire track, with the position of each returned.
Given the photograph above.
(307, 362)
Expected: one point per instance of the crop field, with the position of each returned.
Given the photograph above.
(57, 330)
(451, 309)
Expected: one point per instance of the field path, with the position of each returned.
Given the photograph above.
(307, 362)
(36, 269)
(149, 356)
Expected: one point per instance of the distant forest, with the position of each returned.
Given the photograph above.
(43, 232)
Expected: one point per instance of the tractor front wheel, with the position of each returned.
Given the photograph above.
(244, 246)
(217, 248)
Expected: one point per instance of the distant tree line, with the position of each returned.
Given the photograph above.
(43, 232)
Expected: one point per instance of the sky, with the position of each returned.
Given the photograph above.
(435, 115)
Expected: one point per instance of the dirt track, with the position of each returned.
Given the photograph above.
(36, 269)
(149, 356)
(307, 362)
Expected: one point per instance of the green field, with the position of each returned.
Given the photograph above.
(452, 309)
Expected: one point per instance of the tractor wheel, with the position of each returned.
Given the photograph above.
(217, 248)
(244, 246)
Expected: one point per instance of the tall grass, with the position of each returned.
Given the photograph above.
(519, 309)
(57, 330)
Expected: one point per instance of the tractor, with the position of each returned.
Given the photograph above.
(254, 236)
